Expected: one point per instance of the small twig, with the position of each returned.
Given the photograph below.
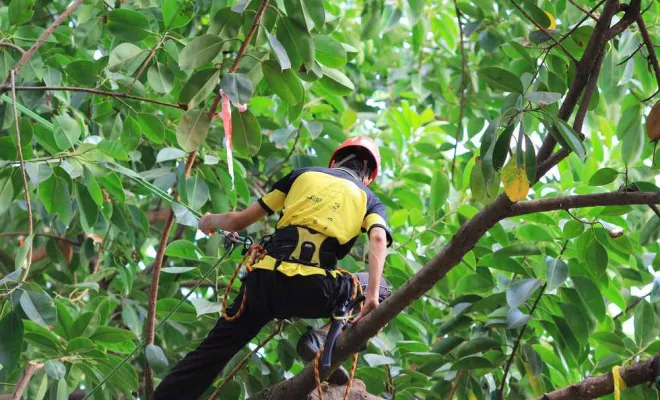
(26, 188)
(518, 340)
(60, 238)
(632, 304)
(631, 55)
(542, 29)
(22, 384)
(146, 62)
(653, 58)
(12, 46)
(286, 159)
(99, 92)
(584, 10)
(41, 39)
(245, 359)
(464, 74)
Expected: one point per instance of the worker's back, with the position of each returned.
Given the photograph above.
(323, 210)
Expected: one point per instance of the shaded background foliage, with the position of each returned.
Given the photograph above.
(459, 119)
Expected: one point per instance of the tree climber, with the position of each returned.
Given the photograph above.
(323, 210)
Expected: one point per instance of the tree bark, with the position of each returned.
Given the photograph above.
(601, 385)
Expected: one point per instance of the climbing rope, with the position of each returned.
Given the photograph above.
(254, 253)
(357, 291)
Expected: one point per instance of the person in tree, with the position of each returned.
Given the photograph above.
(323, 211)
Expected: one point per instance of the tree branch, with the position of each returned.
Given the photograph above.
(22, 384)
(632, 11)
(12, 46)
(41, 39)
(587, 200)
(517, 343)
(601, 385)
(26, 188)
(463, 87)
(653, 58)
(146, 62)
(542, 29)
(99, 92)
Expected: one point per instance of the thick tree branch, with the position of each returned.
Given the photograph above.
(632, 11)
(41, 39)
(601, 385)
(581, 201)
(653, 57)
(99, 92)
(26, 188)
(22, 384)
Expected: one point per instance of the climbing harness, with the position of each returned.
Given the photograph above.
(340, 317)
(230, 246)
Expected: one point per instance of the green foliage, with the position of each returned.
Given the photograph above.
(313, 74)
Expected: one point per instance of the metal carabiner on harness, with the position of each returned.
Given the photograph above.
(339, 319)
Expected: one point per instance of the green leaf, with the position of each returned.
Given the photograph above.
(246, 133)
(185, 313)
(632, 143)
(54, 193)
(80, 345)
(62, 390)
(520, 291)
(610, 341)
(22, 253)
(570, 137)
(160, 77)
(199, 87)
(501, 149)
(41, 337)
(238, 87)
(55, 369)
(596, 257)
(591, 296)
(168, 154)
(197, 192)
(39, 307)
(279, 50)
(477, 345)
(178, 270)
(335, 82)
(329, 52)
(152, 127)
(439, 192)
(471, 362)
(85, 325)
(192, 130)
(557, 272)
(650, 232)
(225, 23)
(644, 324)
(11, 343)
(543, 97)
(42, 388)
(573, 229)
(184, 249)
(87, 207)
(107, 334)
(283, 82)
(200, 51)
(156, 357)
(376, 360)
(371, 19)
(297, 42)
(126, 57)
(128, 25)
(83, 71)
(603, 176)
(515, 319)
(177, 13)
(316, 12)
(537, 14)
(203, 306)
(67, 131)
(6, 194)
(20, 11)
(501, 79)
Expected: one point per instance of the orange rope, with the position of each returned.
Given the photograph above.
(357, 290)
(254, 253)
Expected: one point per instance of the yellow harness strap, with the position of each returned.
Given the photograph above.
(619, 383)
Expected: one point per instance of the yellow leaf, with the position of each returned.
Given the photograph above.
(515, 181)
(553, 23)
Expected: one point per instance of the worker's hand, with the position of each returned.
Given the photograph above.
(370, 303)
(207, 223)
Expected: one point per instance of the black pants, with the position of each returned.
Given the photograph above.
(270, 295)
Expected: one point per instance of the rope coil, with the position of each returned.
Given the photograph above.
(254, 253)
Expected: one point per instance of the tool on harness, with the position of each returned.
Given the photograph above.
(339, 319)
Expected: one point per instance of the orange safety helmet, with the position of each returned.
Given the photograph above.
(365, 143)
